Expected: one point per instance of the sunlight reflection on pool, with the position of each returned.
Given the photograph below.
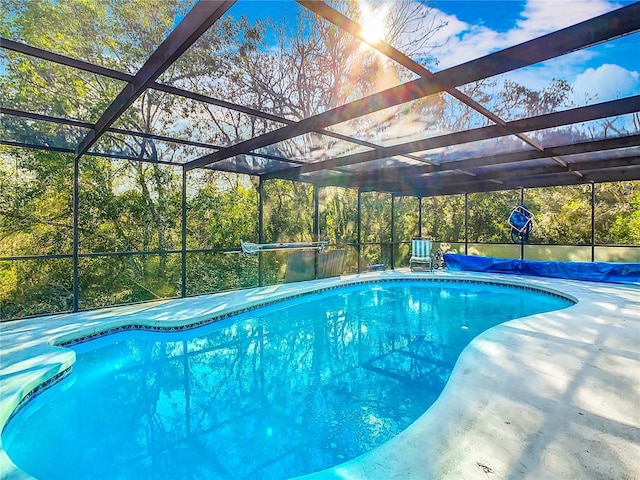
(272, 393)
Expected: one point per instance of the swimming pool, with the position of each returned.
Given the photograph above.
(275, 392)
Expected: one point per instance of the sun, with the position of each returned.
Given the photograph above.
(372, 22)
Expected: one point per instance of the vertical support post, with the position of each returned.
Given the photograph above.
(393, 232)
(316, 227)
(420, 217)
(466, 224)
(183, 292)
(522, 239)
(593, 222)
(260, 226)
(76, 235)
(358, 245)
(316, 214)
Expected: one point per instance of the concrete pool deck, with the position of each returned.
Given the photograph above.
(550, 396)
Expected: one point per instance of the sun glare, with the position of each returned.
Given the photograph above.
(372, 22)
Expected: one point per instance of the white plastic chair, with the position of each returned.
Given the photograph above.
(420, 253)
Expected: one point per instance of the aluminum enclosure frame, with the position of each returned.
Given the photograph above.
(330, 171)
(611, 159)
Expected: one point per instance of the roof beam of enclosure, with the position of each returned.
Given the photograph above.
(453, 182)
(517, 173)
(624, 173)
(615, 174)
(88, 125)
(63, 60)
(401, 174)
(117, 156)
(576, 115)
(345, 23)
(193, 25)
(117, 75)
(44, 118)
(253, 112)
(550, 120)
(348, 25)
(603, 28)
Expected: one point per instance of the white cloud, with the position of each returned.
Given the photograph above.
(606, 82)
(463, 41)
(460, 41)
(543, 16)
(539, 76)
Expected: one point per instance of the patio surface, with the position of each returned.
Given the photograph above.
(550, 396)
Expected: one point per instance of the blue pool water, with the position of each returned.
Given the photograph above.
(273, 393)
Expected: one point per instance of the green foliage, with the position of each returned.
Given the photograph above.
(123, 206)
(617, 213)
(562, 215)
(339, 215)
(406, 211)
(210, 272)
(108, 281)
(488, 214)
(222, 209)
(443, 218)
(35, 287)
(36, 197)
(127, 206)
(288, 211)
(376, 217)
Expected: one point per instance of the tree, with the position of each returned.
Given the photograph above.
(562, 215)
(130, 206)
(617, 213)
(443, 218)
(339, 215)
(124, 206)
(488, 215)
(288, 211)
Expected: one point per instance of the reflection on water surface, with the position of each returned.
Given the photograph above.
(273, 393)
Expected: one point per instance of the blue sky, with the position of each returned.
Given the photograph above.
(496, 15)
(261, 9)
(478, 27)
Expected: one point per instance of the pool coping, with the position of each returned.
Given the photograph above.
(482, 426)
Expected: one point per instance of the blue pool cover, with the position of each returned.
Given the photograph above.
(628, 273)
